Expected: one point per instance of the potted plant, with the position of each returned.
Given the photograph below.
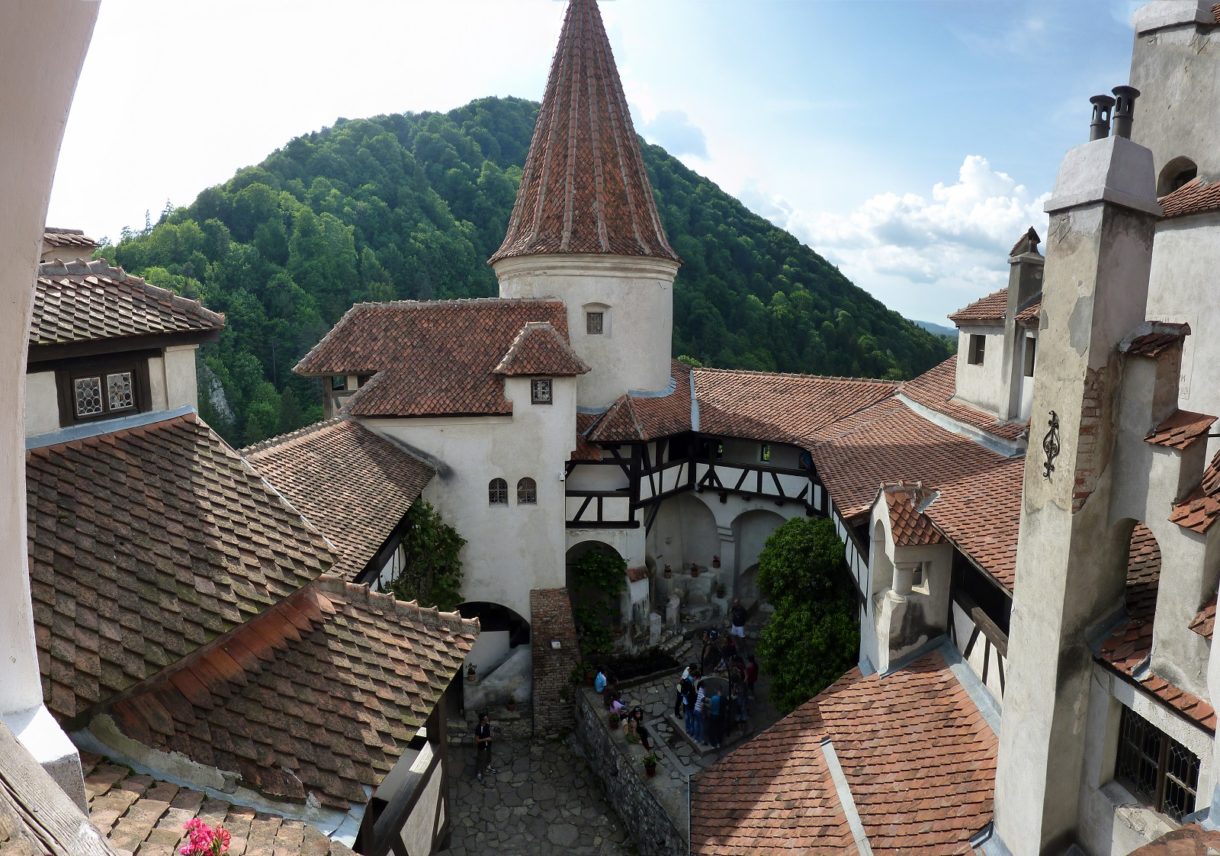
(720, 590)
(715, 561)
(613, 720)
(669, 572)
(650, 765)
(694, 570)
(472, 673)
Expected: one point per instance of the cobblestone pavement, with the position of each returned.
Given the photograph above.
(542, 800)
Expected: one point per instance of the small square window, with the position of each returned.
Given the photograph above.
(978, 346)
(338, 382)
(764, 452)
(595, 323)
(540, 390)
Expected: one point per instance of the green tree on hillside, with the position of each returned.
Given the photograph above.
(410, 206)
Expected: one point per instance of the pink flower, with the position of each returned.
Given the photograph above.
(203, 840)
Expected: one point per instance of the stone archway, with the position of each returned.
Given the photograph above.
(751, 530)
(589, 606)
(501, 657)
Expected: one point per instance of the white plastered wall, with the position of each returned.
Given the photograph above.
(41, 404)
(637, 296)
(510, 549)
(1111, 820)
(1185, 258)
(36, 88)
(984, 385)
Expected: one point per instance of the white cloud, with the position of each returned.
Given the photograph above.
(922, 255)
(674, 131)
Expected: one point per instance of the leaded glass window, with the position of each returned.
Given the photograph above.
(540, 390)
(119, 391)
(88, 392)
(1158, 770)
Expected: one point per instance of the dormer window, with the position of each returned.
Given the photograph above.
(540, 390)
(101, 390)
(977, 348)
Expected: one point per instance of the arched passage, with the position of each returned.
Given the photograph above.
(593, 606)
(684, 532)
(750, 533)
(500, 656)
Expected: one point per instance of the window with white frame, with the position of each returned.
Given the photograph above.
(497, 492)
(527, 492)
(540, 390)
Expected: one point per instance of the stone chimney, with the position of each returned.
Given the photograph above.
(1024, 286)
(1124, 110)
(1071, 562)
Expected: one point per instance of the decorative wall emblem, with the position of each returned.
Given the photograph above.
(1050, 445)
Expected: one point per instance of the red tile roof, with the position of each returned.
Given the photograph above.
(431, 359)
(350, 483)
(89, 301)
(1153, 338)
(1181, 429)
(142, 816)
(918, 757)
(908, 524)
(1189, 840)
(1128, 646)
(1205, 622)
(979, 503)
(986, 310)
(634, 418)
(1031, 313)
(936, 388)
(146, 544)
(584, 450)
(1199, 510)
(584, 188)
(538, 349)
(74, 238)
(782, 407)
(1196, 196)
(315, 699)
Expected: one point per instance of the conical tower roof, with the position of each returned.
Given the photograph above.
(584, 189)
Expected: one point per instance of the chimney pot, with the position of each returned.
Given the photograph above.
(1099, 128)
(1124, 110)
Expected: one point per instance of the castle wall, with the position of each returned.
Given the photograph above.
(511, 548)
(635, 295)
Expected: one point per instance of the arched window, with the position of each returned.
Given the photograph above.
(1174, 174)
(527, 492)
(497, 492)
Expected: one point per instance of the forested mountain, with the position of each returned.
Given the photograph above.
(412, 205)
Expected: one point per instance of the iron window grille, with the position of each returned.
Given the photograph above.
(527, 492)
(1158, 770)
(595, 323)
(540, 390)
(497, 492)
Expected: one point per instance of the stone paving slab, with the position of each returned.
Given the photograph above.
(542, 800)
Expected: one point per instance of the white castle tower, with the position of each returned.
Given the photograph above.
(585, 228)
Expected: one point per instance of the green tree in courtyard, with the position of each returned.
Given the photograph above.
(595, 581)
(814, 636)
(432, 567)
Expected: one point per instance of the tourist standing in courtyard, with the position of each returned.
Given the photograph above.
(482, 747)
(737, 619)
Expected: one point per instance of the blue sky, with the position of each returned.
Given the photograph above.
(908, 142)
